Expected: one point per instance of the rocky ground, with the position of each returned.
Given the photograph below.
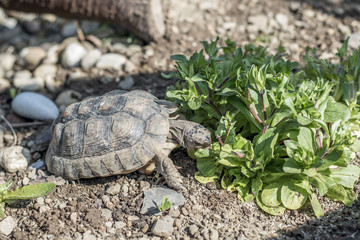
(54, 57)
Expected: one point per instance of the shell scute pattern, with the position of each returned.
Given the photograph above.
(116, 133)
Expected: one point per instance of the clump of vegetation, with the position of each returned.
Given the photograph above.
(165, 204)
(22, 193)
(282, 134)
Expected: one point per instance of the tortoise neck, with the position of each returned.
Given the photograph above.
(177, 131)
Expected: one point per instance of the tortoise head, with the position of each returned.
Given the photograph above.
(196, 136)
(189, 134)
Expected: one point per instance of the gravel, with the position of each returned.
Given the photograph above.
(110, 208)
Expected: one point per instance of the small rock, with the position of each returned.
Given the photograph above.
(73, 217)
(107, 202)
(33, 56)
(90, 58)
(2, 72)
(4, 85)
(354, 41)
(72, 55)
(33, 26)
(120, 224)
(26, 181)
(214, 234)
(7, 61)
(52, 55)
(29, 84)
(88, 236)
(259, 21)
(153, 197)
(134, 48)
(127, 83)
(144, 185)
(113, 190)
(34, 106)
(45, 70)
(40, 200)
(89, 26)
(163, 227)
(78, 76)
(111, 61)
(7, 225)
(67, 98)
(14, 158)
(282, 19)
(106, 213)
(193, 229)
(68, 29)
(130, 67)
(38, 164)
(229, 25)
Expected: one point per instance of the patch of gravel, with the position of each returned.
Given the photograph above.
(109, 208)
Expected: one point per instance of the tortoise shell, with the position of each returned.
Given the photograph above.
(116, 133)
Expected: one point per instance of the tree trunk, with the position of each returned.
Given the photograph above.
(142, 17)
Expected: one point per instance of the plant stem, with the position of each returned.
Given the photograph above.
(264, 129)
(223, 82)
(11, 129)
(242, 155)
(263, 104)
(252, 110)
(319, 139)
(273, 111)
(325, 154)
(215, 108)
(220, 140)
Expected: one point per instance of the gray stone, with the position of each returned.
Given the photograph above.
(7, 61)
(214, 234)
(67, 98)
(153, 197)
(260, 21)
(45, 70)
(106, 214)
(14, 158)
(7, 225)
(111, 61)
(89, 26)
(2, 72)
(354, 41)
(88, 236)
(68, 29)
(127, 83)
(282, 19)
(34, 106)
(4, 85)
(193, 229)
(163, 227)
(38, 164)
(119, 224)
(73, 54)
(32, 26)
(113, 190)
(144, 185)
(34, 55)
(91, 58)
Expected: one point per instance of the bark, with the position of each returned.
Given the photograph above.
(142, 17)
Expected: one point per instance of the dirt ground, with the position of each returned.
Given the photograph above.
(85, 209)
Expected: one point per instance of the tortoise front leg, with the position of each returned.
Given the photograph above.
(167, 168)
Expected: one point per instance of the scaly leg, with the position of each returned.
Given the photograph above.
(167, 168)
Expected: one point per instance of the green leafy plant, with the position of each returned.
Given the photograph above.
(282, 134)
(165, 204)
(22, 193)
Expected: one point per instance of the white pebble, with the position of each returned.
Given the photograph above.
(7, 225)
(111, 61)
(34, 106)
(72, 55)
(14, 158)
(90, 58)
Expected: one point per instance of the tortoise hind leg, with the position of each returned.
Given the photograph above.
(167, 168)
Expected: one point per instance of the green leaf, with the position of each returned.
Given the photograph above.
(293, 197)
(179, 57)
(316, 205)
(270, 195)
(278, 210)
(306, 139)
(346, 176)
(292, 166)
(336, 111)
(165, 204)
(30, 191)
(203, 179)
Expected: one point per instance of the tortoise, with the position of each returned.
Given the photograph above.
(118, 133)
